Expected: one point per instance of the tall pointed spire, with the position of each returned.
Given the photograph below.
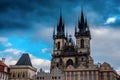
(60, 21)
(75, 29)
(54, 33)
(86, 25)
(60, 27)
(82, 17)
(82, 26)
(66, 35)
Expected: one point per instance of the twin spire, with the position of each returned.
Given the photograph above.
(60, 29)
(82, 26)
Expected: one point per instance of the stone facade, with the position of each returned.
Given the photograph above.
(22, 70)
(4, 70)
(72, 61)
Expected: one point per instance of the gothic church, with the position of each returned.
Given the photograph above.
(74, 60)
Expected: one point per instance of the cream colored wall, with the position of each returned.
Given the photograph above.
(31, 73)
(67, 58)
(3, 76)
(86, 44)
(28, 72)
(62, 42)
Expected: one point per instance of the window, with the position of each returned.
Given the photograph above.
(81, 75)
(82, 59)
(59, 77)
(37, 77)
(60, 61)
(85, 76)
(76, 75)
(69, 62)
(82, 43)
(55, 77)
(18, 75)
(68, 76)
(13, 75)
(90, 75)
(72, 76)
(23, 74)
(102, 76)
(108, 75)
(94, 75)
(58, 45)
(57, 64)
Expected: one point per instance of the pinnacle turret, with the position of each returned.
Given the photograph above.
(82, 26)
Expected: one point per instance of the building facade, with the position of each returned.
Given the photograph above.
(4, 70)
(74, 60)
(23, 70)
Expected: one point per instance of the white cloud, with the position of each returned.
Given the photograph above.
(43, 33)
(13, 51)
(36, 62)
(110, 20)
(44, 50)
(105, 46)
(40, 63)
(4, 42)
(10, 61)
(3, 39)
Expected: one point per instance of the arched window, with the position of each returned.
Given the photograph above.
(23, 75)
(57, 64)
(82, 43)
(82, 59)
(69, 62)
(13, 74)
(60, 61)
(18, 75)
(58, 45)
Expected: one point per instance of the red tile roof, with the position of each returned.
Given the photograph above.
(3, 64)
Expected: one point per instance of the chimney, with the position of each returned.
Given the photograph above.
(3, 60)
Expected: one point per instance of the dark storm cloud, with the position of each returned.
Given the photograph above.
(17, 14)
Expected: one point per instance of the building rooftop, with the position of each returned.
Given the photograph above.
(3, 64)
(24, 60)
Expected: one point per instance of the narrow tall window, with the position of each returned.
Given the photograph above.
(82, 43)
(76, 76)
(94, 75)
(102, 76)
(69, 62)
(90, 75)
(108, 75)
(58, 45)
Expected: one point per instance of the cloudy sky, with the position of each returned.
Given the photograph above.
(27, 25)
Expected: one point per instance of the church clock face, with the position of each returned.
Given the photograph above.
(70, 43)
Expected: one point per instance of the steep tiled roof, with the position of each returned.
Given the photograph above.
(3, 64)
(24, 60)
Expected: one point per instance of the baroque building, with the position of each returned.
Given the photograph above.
(23, 70)
(74, 60)
(4, 70)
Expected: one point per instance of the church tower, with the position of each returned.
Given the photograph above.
(59, 37)
(83, 37)
(67, 53)
(59, 42)
(72, 61)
